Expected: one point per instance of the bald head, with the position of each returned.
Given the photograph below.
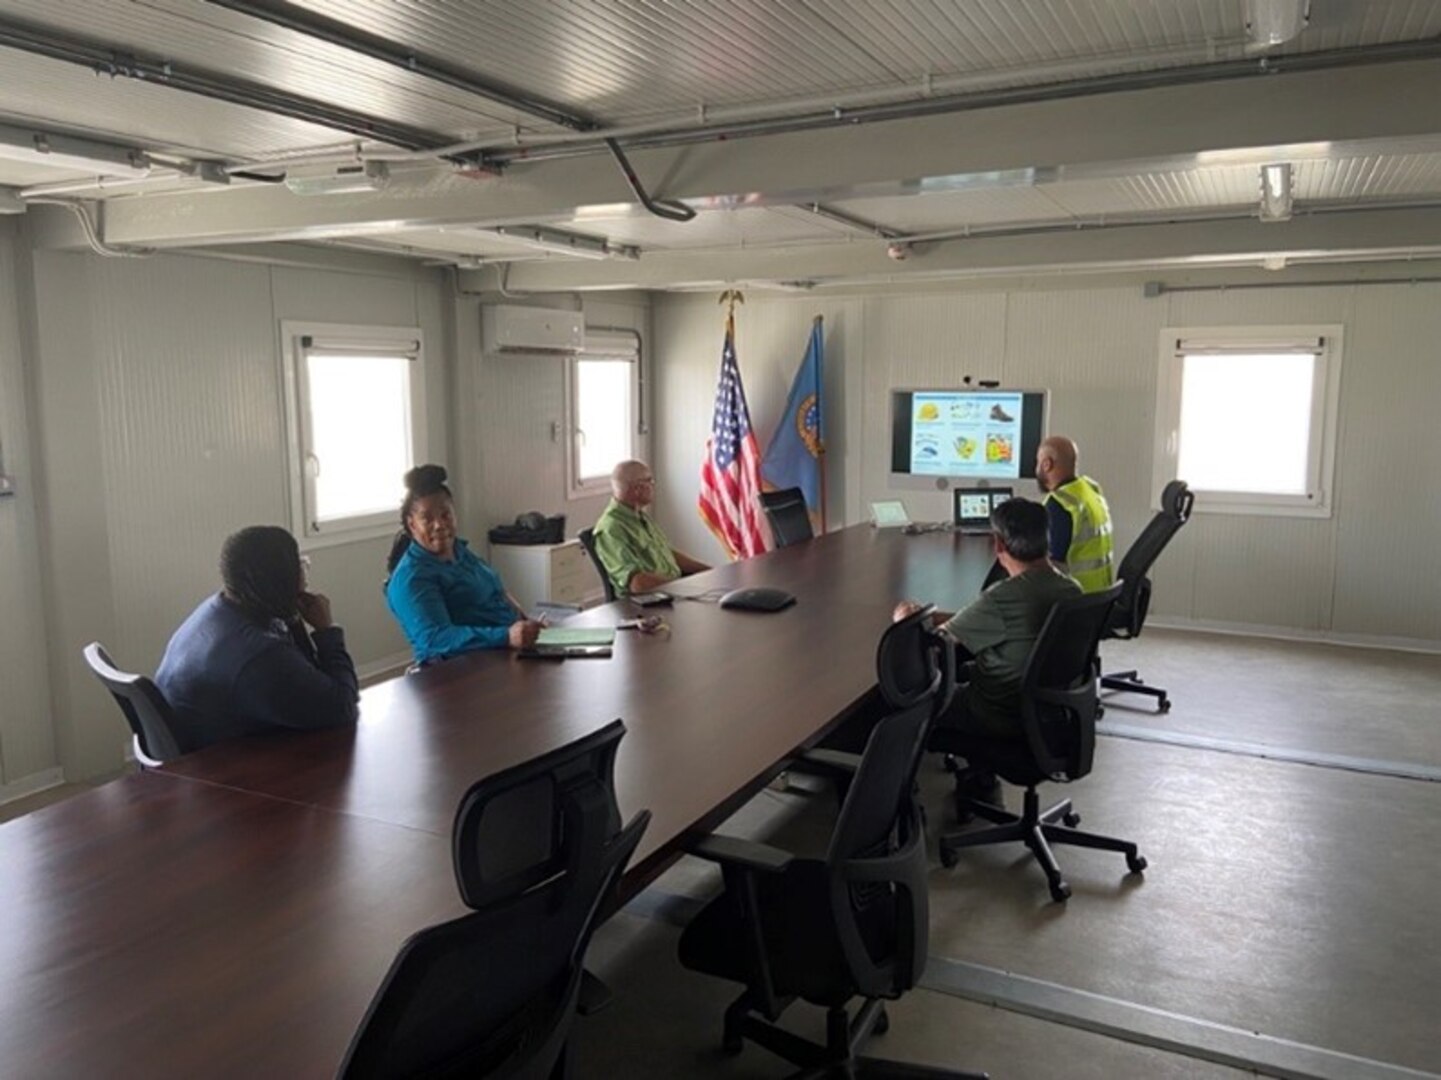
(1056, 462)
(633, 483)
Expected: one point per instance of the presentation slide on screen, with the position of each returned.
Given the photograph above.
(966, 434)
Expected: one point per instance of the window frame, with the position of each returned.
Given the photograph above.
(332, 337)
(599, 345)
(1328, 342)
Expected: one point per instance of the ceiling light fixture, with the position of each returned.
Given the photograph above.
(1274, 22)
(340, 180)
(32, 147)
(1276, 192)
(561, 243)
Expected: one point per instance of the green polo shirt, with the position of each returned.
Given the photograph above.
(998, 629)
(630, 543)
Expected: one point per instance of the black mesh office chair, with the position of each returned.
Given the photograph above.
(913, 664)
(154, 731)
(790, 519)
(1059, 706)
(1129, 615)
(538, 850)
(851, 924)
(587, 541)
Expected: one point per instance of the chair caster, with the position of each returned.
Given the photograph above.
(731, 1044)
(1136, 863)
(883, 1023)
(949, 858)
(1071, 820)
(1060, 891)
(1164, 706)
(952, 764)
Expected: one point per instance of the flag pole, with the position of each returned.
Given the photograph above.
(821, 455)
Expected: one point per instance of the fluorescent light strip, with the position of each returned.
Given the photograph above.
(563, 243)
(33, 147)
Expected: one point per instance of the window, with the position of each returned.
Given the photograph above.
(1247, 417)
(355, 418)
(601, 398)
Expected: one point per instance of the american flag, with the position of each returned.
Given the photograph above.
(730, 479)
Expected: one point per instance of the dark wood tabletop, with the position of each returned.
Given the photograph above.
(156, 927)
(234, 913)
(712, 708)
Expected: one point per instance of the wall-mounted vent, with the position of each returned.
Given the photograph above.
(514, 329)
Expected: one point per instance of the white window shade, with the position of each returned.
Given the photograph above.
(355, 418)
(1247, 417)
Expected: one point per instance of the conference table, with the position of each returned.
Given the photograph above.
(233, 912)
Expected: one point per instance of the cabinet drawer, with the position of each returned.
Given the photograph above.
(568, 559)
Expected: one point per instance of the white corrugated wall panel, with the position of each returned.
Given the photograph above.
(163, 430)
(192, 442)
(1390, 513)
(27, 741)
(1097, 350)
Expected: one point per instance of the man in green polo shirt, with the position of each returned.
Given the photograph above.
(632, 548)
(997, 630)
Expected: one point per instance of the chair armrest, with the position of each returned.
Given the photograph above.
(746, 854)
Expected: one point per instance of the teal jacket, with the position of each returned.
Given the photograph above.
(447, 608)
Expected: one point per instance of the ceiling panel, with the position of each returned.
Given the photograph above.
(1159, 191)
(201, 35)
(1376, 176)
(629, 61)
(48, 93)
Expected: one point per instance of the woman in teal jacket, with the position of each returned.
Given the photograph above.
(446, 598)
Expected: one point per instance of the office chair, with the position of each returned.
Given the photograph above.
(1059, 706)
(587, 541)
(538, 850)
(851, 924)
(790, 519)
(1129, 614)
(153, 728)
(913, 664)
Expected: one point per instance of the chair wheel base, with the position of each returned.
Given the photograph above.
(1136, 863)
(1060, 891)
(949, 857)
(1072, 819)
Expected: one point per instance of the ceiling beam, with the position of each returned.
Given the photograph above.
(1364, 234)
(1280, 118)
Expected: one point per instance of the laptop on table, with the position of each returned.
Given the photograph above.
(973, 506)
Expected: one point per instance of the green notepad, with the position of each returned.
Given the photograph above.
(577, 635)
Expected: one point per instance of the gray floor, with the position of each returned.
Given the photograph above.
(1366, 703)
(1289, 900)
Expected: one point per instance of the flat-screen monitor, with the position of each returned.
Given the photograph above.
(966, 434)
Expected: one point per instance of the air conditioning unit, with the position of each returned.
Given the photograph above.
(514, 329)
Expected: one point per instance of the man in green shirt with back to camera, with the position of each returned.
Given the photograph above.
(997, 630)
(632, 548)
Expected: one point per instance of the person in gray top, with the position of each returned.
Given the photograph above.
(997, 630)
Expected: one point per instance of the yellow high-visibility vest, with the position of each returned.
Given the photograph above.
(1091, 557)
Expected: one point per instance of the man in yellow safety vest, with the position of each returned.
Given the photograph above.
(1080, 520)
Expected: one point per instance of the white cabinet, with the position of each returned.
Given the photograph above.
(561, 573)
